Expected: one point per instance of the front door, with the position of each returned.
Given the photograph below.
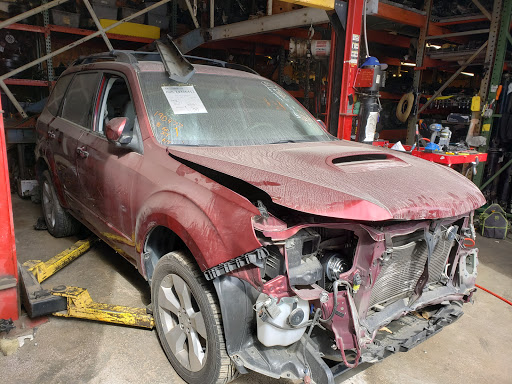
(65, 130)
(108, 171)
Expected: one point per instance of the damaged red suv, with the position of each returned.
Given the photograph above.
(269, 245)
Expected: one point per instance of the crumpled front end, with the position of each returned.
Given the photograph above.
(321, 297)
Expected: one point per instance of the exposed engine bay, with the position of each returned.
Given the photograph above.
(321, 298)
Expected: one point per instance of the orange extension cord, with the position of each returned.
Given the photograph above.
(492, 293)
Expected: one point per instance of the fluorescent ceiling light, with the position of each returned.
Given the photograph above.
(468, 74)
(408, 64)
(433, 46)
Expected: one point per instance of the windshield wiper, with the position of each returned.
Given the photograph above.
(194, 145)
(289, 141)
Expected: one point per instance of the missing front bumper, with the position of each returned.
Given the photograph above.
(408, 331)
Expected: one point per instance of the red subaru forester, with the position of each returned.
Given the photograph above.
(269, 245)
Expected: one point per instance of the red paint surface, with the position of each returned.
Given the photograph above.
(304, 178)
(8, 264)
(364, 77)
(278, 287)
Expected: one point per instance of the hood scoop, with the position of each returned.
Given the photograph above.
(367, 161)
(360, 158)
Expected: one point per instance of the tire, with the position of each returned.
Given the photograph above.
(403, 110)
(58, 221)
(191, 317)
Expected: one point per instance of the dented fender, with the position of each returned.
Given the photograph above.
(211, 238)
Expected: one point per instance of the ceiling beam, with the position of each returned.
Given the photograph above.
(292, 19)
(406, 17)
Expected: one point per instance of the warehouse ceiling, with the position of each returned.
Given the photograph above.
(446, 8)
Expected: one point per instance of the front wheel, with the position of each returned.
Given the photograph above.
(188, 322)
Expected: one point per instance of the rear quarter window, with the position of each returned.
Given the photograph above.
(57, 94)
(79, 99)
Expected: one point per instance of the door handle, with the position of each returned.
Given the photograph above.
(51, 135)
(82, 152)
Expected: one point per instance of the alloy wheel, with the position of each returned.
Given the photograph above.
(48, 204)
(182, 322)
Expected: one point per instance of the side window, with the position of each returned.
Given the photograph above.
(79, 99)
(55, 98)
(116, 102)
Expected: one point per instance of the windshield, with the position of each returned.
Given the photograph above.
(222, 110)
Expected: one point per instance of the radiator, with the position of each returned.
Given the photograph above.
(399, 275)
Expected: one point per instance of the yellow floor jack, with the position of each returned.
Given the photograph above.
(68, 301)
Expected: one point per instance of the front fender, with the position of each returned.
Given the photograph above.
(214, 234)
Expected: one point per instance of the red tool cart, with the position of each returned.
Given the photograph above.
(445, 158)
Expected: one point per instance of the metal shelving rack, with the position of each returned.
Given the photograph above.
(12, 23)
(503, 38)
(490, 47)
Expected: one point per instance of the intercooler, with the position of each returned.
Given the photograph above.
(399, 275)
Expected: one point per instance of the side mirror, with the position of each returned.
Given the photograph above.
(114, 128)
(321, 122)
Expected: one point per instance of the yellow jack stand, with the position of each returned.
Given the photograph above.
(73, 301)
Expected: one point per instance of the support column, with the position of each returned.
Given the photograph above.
(350, 61)
(416, 82)
(492, 78)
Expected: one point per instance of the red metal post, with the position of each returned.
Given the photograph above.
(332, 68)
(350, 61)
(8, 264)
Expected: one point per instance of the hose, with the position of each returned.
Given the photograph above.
(344, 357)
(335, 303)
(365, 31)
(494, 294)
(313, 324)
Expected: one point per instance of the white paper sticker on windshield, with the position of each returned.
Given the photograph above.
(184, 100)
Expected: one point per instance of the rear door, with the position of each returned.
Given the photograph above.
(108, 171)
(66, 129)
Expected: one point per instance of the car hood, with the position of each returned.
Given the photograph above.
(344, 179)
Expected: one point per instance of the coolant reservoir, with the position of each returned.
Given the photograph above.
(288, 312)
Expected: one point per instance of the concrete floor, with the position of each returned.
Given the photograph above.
(476, 349)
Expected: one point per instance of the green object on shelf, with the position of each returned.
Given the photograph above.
(357, 106)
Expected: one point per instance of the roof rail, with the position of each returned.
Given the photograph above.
(133, 57)
(122, 56)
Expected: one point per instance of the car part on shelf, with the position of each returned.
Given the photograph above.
(404, 108)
